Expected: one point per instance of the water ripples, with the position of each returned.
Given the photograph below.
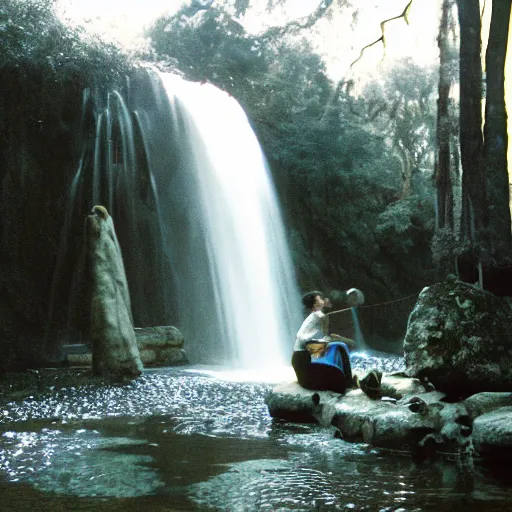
(211, 442)
(197, 403)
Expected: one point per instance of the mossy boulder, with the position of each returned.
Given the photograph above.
(459, 338)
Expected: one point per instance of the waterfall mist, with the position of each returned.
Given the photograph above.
(181, 171)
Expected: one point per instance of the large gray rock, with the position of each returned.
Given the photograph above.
(458, 337)
(482, 403)
(161, 345)
(421, 423)
(404, 425)
(400, 429)
(492, 433)
(353, 413)
(292, 402)
(114, 347)
(161, 336)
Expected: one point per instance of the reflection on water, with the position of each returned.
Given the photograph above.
(77, 463)
(185, 440)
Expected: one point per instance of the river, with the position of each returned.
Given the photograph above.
(195, 439)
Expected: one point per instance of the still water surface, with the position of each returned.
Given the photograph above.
(184, 439)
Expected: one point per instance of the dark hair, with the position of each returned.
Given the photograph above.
(308, 299)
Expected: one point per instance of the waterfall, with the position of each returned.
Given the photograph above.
(358, 332)
(236, 263)
(180, 169)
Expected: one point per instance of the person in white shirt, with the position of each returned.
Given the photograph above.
(315, 329)
(315, 325)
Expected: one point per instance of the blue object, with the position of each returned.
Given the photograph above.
(333, 356)
(331, 371)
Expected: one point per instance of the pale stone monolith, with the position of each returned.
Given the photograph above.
(114, 346)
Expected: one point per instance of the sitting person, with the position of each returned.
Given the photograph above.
(320, 361)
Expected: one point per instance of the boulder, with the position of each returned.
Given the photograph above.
(399, 428)
(290, 401)
(422, 423)
(418, 423)
(492, 434)
(396, 386)
(353, 413)
(160, 345)
(458, 337)
(114, 346)
(482, 403)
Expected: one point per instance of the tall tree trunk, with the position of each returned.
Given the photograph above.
(442, 165)
(474, 216)
(495, 134)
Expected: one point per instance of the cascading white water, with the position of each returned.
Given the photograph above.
(181, 171)
(237, 264)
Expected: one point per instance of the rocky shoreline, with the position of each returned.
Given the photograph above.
(404, 417)
(454, 395)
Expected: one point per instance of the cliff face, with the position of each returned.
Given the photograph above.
(44, 69)
(37, 160)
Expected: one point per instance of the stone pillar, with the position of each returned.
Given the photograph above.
(114, 347)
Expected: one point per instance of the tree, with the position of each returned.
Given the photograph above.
(495, 135)
(401, 106)
(474, 214)
(443, 178)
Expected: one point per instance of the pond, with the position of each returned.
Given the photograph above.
(197, 439)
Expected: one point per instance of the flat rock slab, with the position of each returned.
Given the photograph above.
(292, 402)
(160, 336)
(418, 422)
(482, 403)
(492, 434)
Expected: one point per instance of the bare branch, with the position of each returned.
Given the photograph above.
(296, 25)
(382, 38)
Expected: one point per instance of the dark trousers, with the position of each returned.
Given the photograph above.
(311, 375)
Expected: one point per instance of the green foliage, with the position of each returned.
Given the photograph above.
(33, 35)
(335, 167)
(402, 106)
(406, 221)
(209, 45)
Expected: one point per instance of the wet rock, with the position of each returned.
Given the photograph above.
(456, 428)
(159, 336)
(492, 433)
(420, 423)
(400, 429)
(396, 386)
(482, 403)
(114, 347)
(160, 345)
(354, 410)
(292, 402)
(458, 338)
(433, 426)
